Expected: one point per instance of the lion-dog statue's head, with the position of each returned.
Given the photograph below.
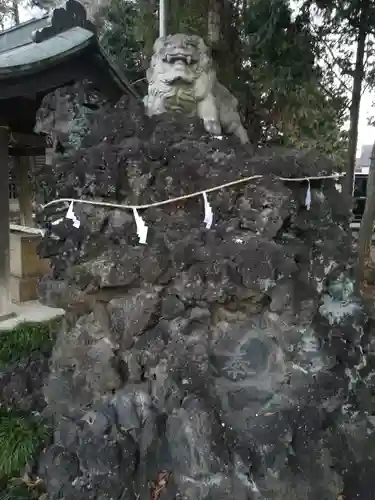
(178, 60)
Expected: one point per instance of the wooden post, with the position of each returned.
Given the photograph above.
(5, 301)
(22, 165)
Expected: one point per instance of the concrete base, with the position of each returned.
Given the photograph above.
(23, 289)
(6, 316)
(25, 264)
(30, 312)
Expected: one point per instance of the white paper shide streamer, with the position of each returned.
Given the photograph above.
(71, 215)
(208, 213)
(56, 222)
(308, 196)
(142, 229)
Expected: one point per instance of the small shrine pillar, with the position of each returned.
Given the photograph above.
(5, 301)
(22, 166)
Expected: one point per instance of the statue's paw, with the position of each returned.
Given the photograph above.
(213, 127)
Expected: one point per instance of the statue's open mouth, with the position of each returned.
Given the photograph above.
(178, 57)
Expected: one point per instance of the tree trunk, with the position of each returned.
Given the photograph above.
(356, 96)
(224, 40)
(214, 22)
(16, 12)
(367, 224)
(147, 28)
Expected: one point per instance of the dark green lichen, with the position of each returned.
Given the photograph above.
(18, 492)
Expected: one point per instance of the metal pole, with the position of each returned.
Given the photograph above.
(162, 18)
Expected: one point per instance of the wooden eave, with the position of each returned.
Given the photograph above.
(37, 69)
(35, 57)
(31, 144)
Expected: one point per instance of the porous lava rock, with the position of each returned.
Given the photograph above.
(65, 114)
(209, 364)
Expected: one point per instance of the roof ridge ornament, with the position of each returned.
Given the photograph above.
(70, 14)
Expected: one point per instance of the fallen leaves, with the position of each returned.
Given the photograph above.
(159, 485)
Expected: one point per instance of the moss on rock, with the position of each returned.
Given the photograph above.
(20, 439)
(22, 434)
(26, 338)
(18, 492)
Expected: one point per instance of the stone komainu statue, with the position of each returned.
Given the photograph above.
(181, 77)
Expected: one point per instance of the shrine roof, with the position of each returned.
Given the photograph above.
(21, 34)
(50, 44)
(31, 56)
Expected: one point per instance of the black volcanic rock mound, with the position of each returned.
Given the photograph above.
(209, 364)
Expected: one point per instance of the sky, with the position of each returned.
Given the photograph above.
(29, 12)
(366, 133)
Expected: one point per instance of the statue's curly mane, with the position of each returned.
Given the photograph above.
(158, 67)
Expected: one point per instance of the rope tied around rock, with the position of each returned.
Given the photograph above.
(142, 228)
(189, 195)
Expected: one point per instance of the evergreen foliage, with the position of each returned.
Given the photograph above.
(265, 55)
(26, 338)
(21, 435)
(20, 438)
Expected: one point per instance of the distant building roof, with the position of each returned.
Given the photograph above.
(362, 163)
(365, 158)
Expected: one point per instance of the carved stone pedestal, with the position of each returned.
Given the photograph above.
(25, 265)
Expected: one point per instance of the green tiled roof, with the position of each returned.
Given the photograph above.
(49, 45)
(33, 55)
(21, 34)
